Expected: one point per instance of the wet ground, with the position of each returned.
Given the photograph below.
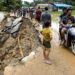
(63, 61)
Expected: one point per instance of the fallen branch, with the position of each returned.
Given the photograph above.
(21, 51)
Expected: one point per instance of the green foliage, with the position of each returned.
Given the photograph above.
(7, 5)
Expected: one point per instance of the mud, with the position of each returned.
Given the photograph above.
(10, 48)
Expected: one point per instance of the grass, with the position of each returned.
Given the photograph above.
(73, 12)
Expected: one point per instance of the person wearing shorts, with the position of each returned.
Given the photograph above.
(47, 37)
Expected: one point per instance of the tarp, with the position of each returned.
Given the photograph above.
(63, 5)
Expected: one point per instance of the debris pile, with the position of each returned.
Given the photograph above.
(14, 49)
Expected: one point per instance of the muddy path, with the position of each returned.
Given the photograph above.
(67, 53)
(62, 57)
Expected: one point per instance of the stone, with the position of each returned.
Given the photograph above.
(9, 70)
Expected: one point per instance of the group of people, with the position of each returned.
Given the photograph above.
(44, 17)
(66, 22)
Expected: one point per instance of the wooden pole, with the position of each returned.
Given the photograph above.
(20, 49)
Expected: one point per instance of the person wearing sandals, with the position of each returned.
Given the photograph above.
(47, 37)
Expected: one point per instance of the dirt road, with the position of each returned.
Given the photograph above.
(63, 62)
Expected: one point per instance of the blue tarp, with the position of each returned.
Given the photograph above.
(63, 5)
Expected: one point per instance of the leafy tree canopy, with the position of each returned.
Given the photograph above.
(10, 4)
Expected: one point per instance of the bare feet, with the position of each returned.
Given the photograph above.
(47, 62)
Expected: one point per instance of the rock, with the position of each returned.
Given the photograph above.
(16, 28)
(17, 20)
(32, 55)
(9, 70)
(2, 16)
(27, 58)
(3, 39)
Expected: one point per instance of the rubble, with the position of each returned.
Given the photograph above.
(27, 40)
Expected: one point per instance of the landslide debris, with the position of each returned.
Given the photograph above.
(13, 49)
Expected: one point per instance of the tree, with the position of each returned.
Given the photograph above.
(10, 4)
(73, 2)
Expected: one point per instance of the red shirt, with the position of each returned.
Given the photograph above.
(38, 13)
